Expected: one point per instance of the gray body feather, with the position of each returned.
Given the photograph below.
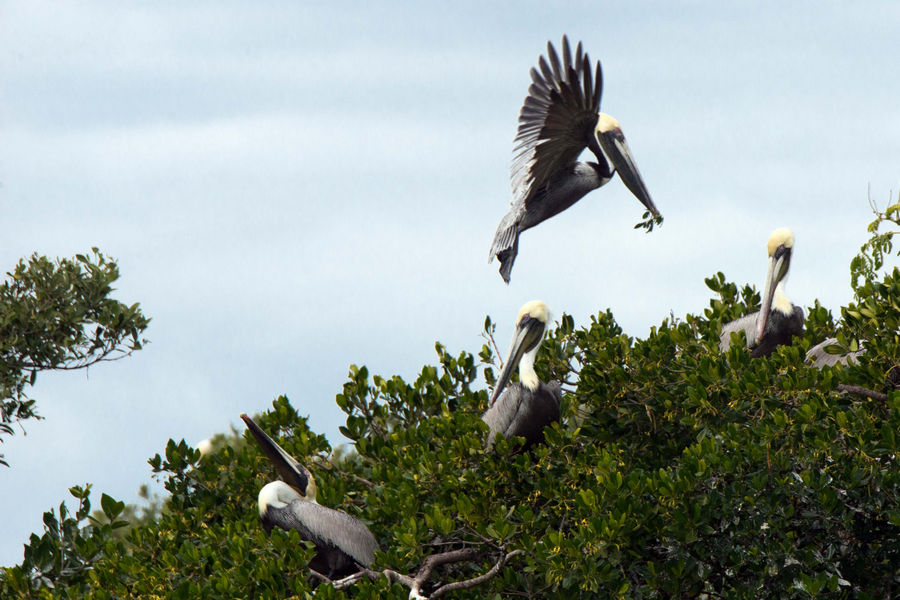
(746, 324)
(520, 412)
(564, 190)
(818, 358)
(341, 541)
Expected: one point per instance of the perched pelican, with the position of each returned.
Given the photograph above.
(342, 542)
(818, 358)
(778, 320)
(528, 406)
(560, 118)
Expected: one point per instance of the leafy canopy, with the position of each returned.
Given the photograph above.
(58, 315)
(676, 471)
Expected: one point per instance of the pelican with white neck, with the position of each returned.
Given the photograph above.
(526, 407)
(778, 320)
(342, 542)
(559, 119)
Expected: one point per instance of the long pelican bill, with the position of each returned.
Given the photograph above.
(778, 267)
(292, 472)
(616, 148)
(528, 334)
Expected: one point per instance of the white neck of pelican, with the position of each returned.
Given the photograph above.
(527, 376)
(278, 494)
(780, 301)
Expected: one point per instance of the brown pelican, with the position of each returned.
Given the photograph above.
(777, 320)
(342, 542)
(560, 118)
(818, 357)
(526, 407)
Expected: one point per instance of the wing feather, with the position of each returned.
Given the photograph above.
(325, 526)
(588, 84)
(598, 85)
(554, 61)
(545, 70)
(746, 324)
(818, 357)
(578, 55)
(557, 118)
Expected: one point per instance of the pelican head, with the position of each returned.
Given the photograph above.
(297, 482)
(780, 246)
(611, 141)
(530, 327)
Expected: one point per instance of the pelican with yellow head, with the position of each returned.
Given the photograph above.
(778, 321)
(526, 407)
(560, 119)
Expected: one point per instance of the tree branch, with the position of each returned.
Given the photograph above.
(415, 583)
(469, 583)
(861, 391)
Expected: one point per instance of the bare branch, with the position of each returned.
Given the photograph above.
(861, 391)
(325, 579)
(415, 583)
(340, 584)
(469, 583)
(361, 480)
(444, 558)
(79, 363)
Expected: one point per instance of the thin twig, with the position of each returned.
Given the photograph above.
(490, 337)
(861, 391)
(353, 476)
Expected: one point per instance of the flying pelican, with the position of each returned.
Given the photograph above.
(818, 357)
(778, 320)
(526, 407)
(559, 119)
(342, 542)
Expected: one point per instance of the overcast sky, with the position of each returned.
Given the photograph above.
(291, 189)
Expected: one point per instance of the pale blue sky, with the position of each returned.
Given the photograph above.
(291, 189)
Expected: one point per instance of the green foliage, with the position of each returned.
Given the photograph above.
(649, 221)
(59, 315)
(63, 555)
(676, 472)
(866, 265)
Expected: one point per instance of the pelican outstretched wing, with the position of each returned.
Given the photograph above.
(556, 120)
